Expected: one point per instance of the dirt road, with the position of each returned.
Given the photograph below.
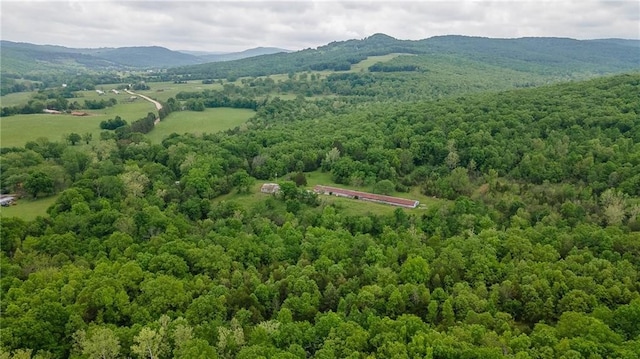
(156, 103)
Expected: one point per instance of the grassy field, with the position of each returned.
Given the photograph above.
(208, 121)
(28, 209)
(349, 206)
(246, 200)
(346, 205)
(19, 129)
(364, 64)
(17, 98)
(324, 178)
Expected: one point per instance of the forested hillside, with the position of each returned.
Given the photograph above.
(528, 248)
(542, 56)
(145, 57)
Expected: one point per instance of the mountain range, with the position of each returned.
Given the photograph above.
(531, 55)
(23, 58)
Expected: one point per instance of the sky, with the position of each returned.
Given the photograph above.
(228, 26)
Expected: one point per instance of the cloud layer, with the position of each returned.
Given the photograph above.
(238, 25)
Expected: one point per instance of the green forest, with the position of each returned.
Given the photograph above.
(526, 243)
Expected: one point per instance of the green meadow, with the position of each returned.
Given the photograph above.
(19, 129)
(208, 121)
(28, 209)
(14, 99)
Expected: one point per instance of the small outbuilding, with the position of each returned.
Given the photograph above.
(270, 188)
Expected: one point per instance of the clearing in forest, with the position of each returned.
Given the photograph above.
(210, 120)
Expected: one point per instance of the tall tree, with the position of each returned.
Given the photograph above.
(74, 138)
(148, 344)
(101, 344)
(38, 182)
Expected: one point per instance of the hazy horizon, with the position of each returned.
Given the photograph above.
(213, 52)
(232, 26)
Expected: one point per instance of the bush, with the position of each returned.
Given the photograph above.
(385, 187)
(113, 123)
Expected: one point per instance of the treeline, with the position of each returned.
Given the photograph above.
(124, 131)
(74, 82)
(11, 85)
(198, 101)
(145, 124)
(99, 104)
(382, 67)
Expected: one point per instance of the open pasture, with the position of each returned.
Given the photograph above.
(210, 120)
(16, 98)
(19, 129)
(28, 209)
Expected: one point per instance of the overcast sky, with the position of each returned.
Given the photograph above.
(239, 25)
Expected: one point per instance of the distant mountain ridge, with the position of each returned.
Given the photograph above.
(22, 58)
(258, 51)
(535, 54)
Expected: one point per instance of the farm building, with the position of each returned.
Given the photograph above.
(270, 188)
(79, 113)
(7, 201)
(100, 92)
(365, 196)
(115, 91)
(53, 112)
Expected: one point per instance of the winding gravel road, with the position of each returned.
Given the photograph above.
(156, 103)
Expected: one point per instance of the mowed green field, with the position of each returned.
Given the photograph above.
(19, 129)
(14, 99)
(210, 120)
(29, 209)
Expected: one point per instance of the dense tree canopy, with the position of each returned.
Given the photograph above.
(529, 250)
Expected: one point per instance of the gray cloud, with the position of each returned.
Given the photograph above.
(238, 25)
